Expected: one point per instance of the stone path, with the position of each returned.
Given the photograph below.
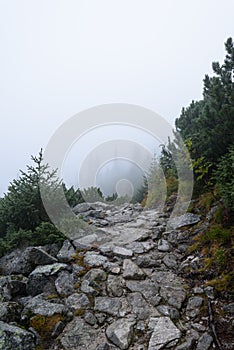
(119, 287)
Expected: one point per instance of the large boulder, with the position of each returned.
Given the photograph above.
(24, 261)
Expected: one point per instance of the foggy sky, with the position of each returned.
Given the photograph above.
(60, 57)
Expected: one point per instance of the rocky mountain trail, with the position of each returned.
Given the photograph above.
(124, 284)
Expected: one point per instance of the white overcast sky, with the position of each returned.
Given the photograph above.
(59, 57)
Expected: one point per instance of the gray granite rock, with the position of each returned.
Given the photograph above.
(204, 342)
(66, 253)
(175, 296)
(95, 259)
(80, 335)
(39, 283)
(132, 271)
(42, 279)
(49, 270)
(40, 306)
(58, 328)
(115, 285)
(164, 333)
(123, 252)
(163, 245)
(115, 269)
(169, 311)
(82, 208)
(95, 276)
(170, 261)
(193, 306)
(86, 242)
(120, 333)
(101, 317)
(104, 346)
(24, 261)
(187, 345)
(77, 302)
(90, 318)
(65, 283)
(184, 220)
(13, 337)
(198, 290)
(87, 289)
(136, 247)
(148, 260)
(129, 295)
(147, 288)
(198, 327)
(139, 306)
(94, 282)
(108, 305)
(210, 292)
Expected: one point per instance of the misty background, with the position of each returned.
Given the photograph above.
(60, 57)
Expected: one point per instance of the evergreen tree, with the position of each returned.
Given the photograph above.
(73, 196)
(92, 194)
(22, 207)
(224, 176)
(209, 123)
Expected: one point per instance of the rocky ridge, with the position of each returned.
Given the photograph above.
(120, 286)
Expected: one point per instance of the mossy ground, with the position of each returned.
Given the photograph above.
(216, 246)
(44, 325)
(78, 259)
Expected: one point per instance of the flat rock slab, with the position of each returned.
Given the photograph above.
(49, 270)
(139, 306)
(184, 220)
(121, 235)
(95, 259)
(165, 332)
(147, 288)
(175, 296)
(108, 305)
(122, 252)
